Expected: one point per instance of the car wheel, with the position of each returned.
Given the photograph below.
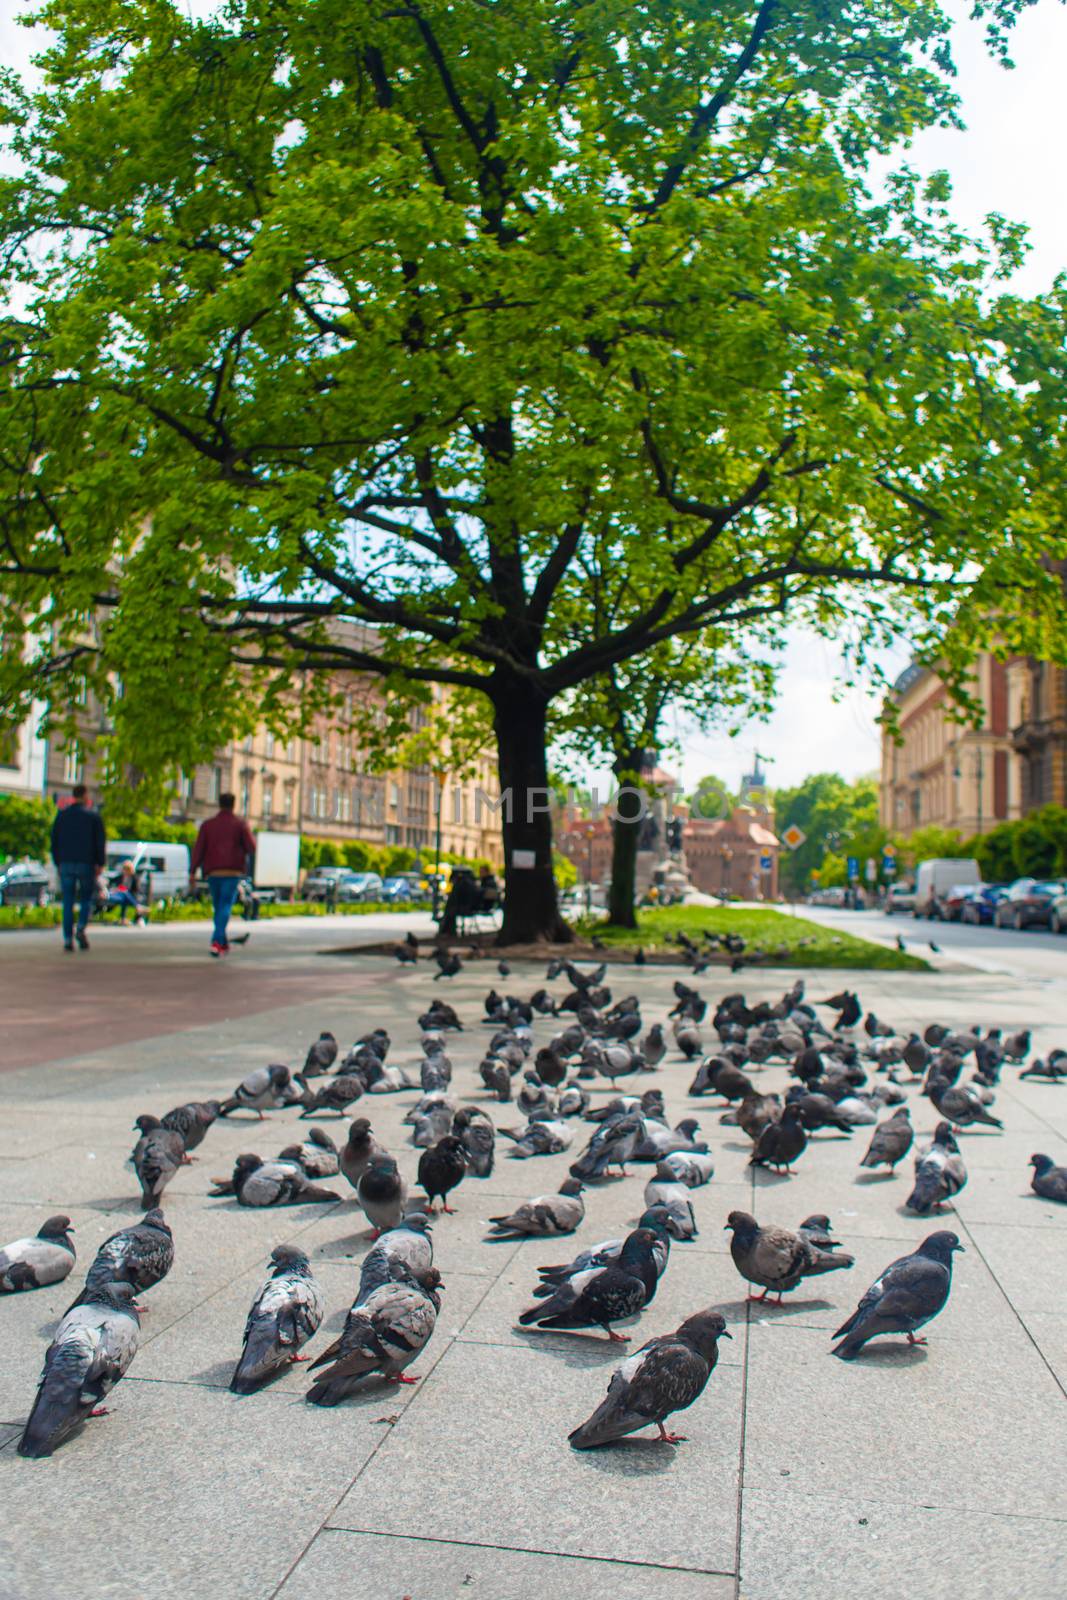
(1055, 925)
(1018, 921)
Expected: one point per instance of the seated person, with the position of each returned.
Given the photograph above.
(125, 892)
(488, 889)
(464, 899)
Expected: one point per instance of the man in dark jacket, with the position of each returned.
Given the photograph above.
(221, 853)
(79, 850)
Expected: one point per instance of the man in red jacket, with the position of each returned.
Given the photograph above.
(221, 853)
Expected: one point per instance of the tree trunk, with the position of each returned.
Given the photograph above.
(531, 905)
(625, 833)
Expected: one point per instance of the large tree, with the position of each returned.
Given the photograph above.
(440, 317)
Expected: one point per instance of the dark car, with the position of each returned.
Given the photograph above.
(24, 883)
(982, 905)
(1028, 903)
(951, 905)
(324, 883)
(359, 886)
(400, 890)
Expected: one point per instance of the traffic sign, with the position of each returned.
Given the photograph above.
(889, 850)
(870, 869)
(853, 869)
(889, 866)
(765, 863)
(794, 837)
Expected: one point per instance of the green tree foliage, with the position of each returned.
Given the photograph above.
(840, 820)
(25, 826)
(711, 798)
(934, 843)
(529, 339)
(994, 853)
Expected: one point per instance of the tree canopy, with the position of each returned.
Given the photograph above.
(533, 335)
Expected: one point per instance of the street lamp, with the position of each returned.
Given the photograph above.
(726, 855)
(439, 779)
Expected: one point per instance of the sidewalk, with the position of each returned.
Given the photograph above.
(935, 1473)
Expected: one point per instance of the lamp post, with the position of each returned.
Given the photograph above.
(439, 779)
(726, 855)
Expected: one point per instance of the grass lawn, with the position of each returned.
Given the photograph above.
(784, 940)
(50, 916)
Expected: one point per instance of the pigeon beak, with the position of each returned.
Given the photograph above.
(960, 1248)
(725, 1335)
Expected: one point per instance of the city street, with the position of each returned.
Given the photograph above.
(1033, 954)
(931, 1471)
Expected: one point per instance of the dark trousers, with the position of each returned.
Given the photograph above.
(76, 878)
(223, 895)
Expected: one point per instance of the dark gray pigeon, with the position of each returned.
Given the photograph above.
(140, 1255)
(890, 1141)
(90, 1351)
(910, 1293)
(192, 1121)
(1049, 1181)
(664, 1376)
(603, 1295)
(478, 1136)
(321, 1056)
(544, 1215)
(46, 1257)
(359, 1150)
(263, 1088)
(317, 1155)
(157, 1155)
(286, 1312)
(776, 1258)
(256, 1182)
(382, 1335)
(939, 1173)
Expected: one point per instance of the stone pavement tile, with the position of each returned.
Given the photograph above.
(350, 1566)
(692, 1281)
(1028, 1263)
(204, 1344)
(345, 1236)
(960, 1424)
(514, 1481)
(1049, 1333)
(234, 1488)
(850, 1548)
(1005, 1197)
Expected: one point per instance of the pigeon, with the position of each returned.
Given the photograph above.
(90, 1351)
(497, 1078)
(140, 1255)
(756, 1111)
(448, 965)
(409, 1243)
(539, 1139)
(659, 1141)
(266, 1086)
(533, 1099)
(961, 1104)
(665, 1375)
(781, 1142)
(722, 1077)
(442, 1168)
(317, 1155)
(910, 1292)
(1054, 1071)
(573, 1101)
(691, 1167)
(46, 1257)
(431, 1119)
(819, 1232)
(383, 1334)
(687, 1038)
(192, 1121)
(612, 1144)
(817, 1111)
(847, 1004)
(406, 956)
(321, 1056)
(157, 1155)
(256, 1182)
(654, 1046)
(478, 1137)
(337, 1094)
(286, 1312)
(358, 1150)
(890, 1141)
(939, 1173)
(603, 1295)
(545, 1214)
(599, 1255)
(776, 1258)
(549, 1068)
(1049, 1181)
(438, 1016)
(665, 1190)
(383, 1194)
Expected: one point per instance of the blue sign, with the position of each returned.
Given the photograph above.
(853, 869)
(889, 866)
(765, 863)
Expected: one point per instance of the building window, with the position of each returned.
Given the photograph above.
(247, 745)
(9, 745)
(186, 788)
(287, 802)
(72, 764)
(246, 797)
(268, 744)
(268, 800)
(214, 785)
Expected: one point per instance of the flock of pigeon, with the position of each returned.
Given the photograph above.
(847, 1074)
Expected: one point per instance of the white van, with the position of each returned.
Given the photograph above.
(934, 878)
(164, 868)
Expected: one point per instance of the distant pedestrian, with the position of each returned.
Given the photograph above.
(79, 850)
(222, 854)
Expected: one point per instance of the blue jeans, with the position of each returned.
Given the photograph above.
(223, 895)
(76, 878)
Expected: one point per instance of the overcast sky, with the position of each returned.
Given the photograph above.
(1008, 159)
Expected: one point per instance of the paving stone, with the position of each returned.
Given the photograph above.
(1027, 1262)
(90, 1519)
(1049, 1333)
(492, 1488)
(958, 1424)
(350, 1566)
(849, 1548)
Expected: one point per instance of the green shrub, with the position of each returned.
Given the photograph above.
(25, 826)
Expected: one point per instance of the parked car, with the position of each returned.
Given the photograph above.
(25, 883)
(901, 897)
(828, 897)
(360, 886)
(1028, 903)
(935, 877)
(1057, 917)
(403, 888)
(949, 905)
(324, 882)
(983, 903)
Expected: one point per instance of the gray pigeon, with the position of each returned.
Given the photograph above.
(602, 1295)
(909, 1293)
(337, 1094)
(140, 1255)
(544, 1215)
(359, 1150)
(317, 1155)
(478, 1136)
(157, 1155)
(890, 1141)
(256, 1182)
(383, 1194)
(939, 1173)
(666, 1190)
(409, 1243)
(961, 1104)
(691, 1167)
(382, 1335)
(265, 1087)
(90, 1351)
(46, 1257)
(776, 1258)
(321, 1056)
(286, 1312)
(192, 1121)
(538, 1139)
(1049, 1181)
(664, 1376)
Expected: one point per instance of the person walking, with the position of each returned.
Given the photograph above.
(79, 850)
(221, 854)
